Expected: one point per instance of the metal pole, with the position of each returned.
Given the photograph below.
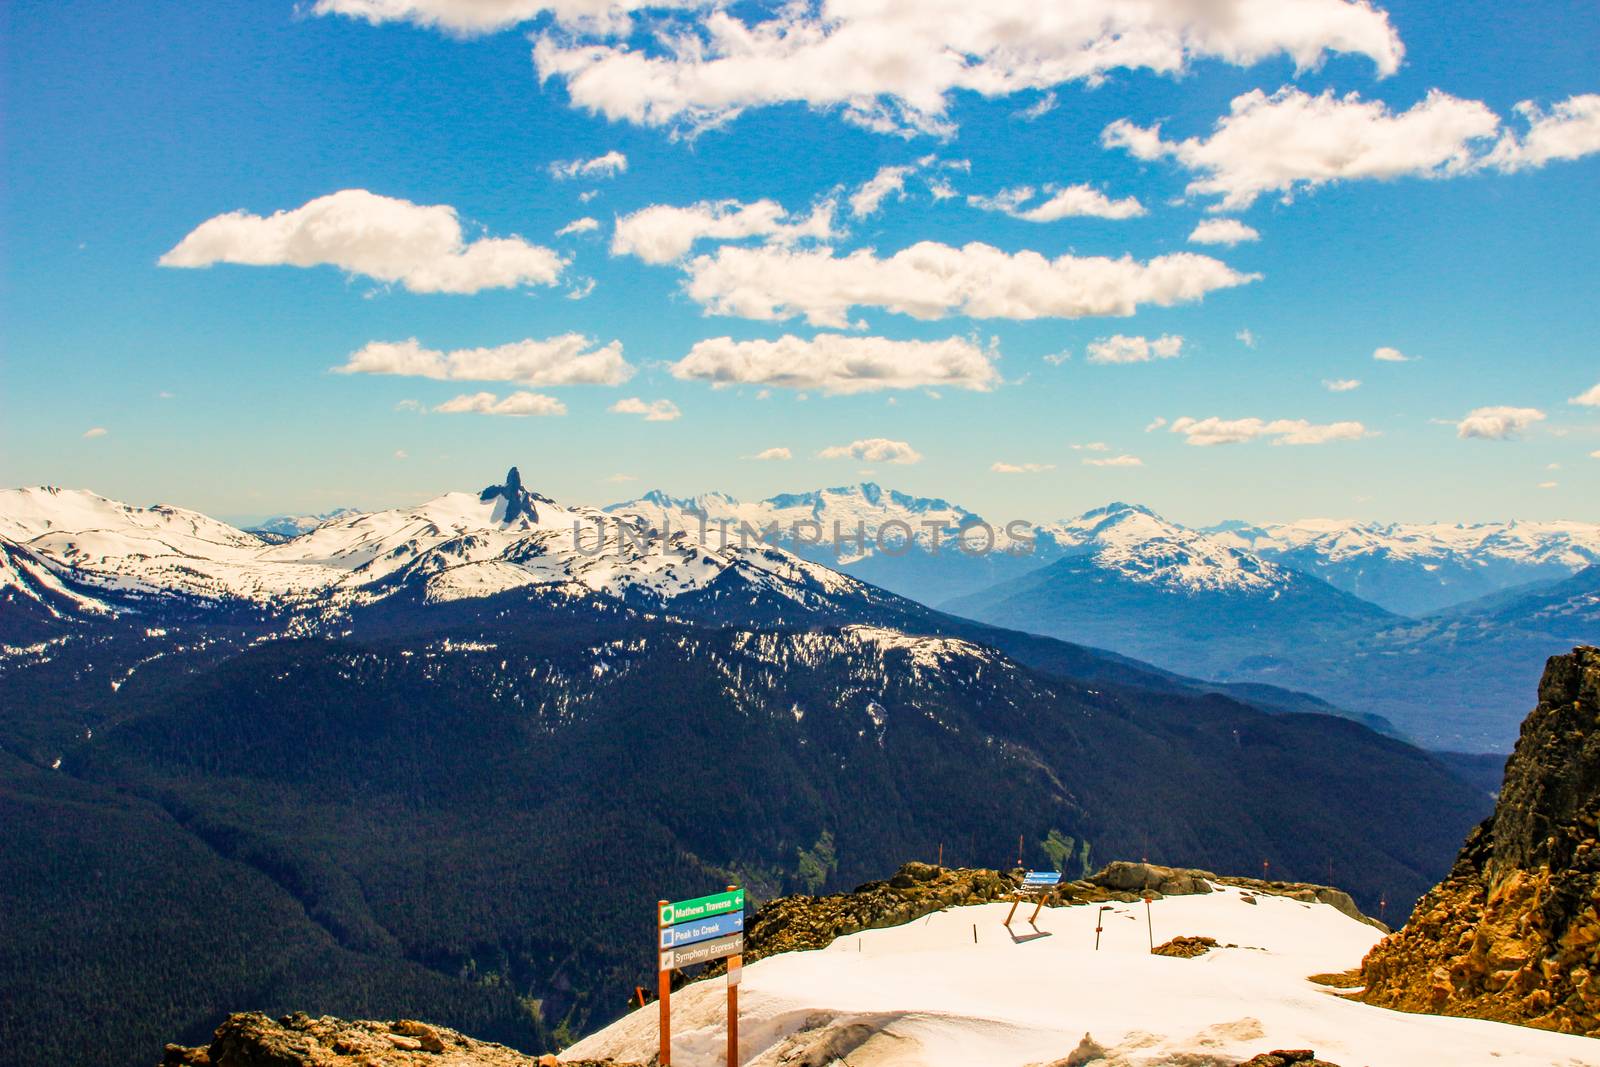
(1150, 926)
(664, 979)
(735, 973)
(1099, 916)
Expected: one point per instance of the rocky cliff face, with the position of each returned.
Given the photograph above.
(1513, 933)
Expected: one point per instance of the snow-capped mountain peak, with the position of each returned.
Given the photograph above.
(1142, 546)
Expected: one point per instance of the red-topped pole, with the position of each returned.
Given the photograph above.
(664, 976)
(735, 973)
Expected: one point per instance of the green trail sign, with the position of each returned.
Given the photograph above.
(702, 907)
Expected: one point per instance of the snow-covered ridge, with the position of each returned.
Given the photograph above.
(1568, 544)
(958, 988)
(1142, 546)
(455, 546)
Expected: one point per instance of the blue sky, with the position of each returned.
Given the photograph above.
(1464, 239)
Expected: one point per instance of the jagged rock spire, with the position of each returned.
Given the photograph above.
(519, 502)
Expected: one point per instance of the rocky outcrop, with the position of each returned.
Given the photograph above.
(792, 924)
(251, 1039)
(1513, 933)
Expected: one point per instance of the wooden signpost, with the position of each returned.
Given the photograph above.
(1040, 881)
(695, 931)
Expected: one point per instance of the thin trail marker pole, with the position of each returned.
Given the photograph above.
(735, 972)
(1099, 918)
(1019, 850)
(941, 854)
(1149, 925)
(664, 977)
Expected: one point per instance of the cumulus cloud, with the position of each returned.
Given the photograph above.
(1246, 338)
(1060, 202)
(773, 454)
(1022, 468)
(1341, 385)
(662, 233)
(420, 246)
(869, 196)
(609, 165)
(1038, 109)
(1155, 424)
(930, 280)
(1291, 140)
(835, 363)
(874, 450)
(654, 411)
(1570, 130)
(1390, 355)
(1498, 423)
(891, 67)
(1120, 349)
(517, 405)
(1222, 232)
(583, 225)
(569, 359)
(1114, 461)
(473, 17)
(95, 431)
(1588, 398)
(1214, 431)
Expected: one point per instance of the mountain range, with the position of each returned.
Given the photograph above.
(441, 757)
(1405, 622)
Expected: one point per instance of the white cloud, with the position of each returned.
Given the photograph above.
(891, 67)
(1214, 431)
(1222, 232)
(607, 166)
(1291, 140)
(583, 225)
(1114, 461)
(1390, 355)
(1548, 485)
(1595, 454)
(1055, 359)
(618, 479)
(930, 280)
(1570, 130)
(1588, 398)
(662, 233)
(1092, 446)
(472, 17)
(401, 454)
(1246, 338)
(1022, 468)
(869, 196)
(568, 359)
(835, 363)
(95, 431)
(516, 404)
(419, 246)
(1038, 109)
(654, 411)
(1063, 202)
(1120, 349)
(1498, 423)
(1155, 424)
(874, 450)
(1341, 385)
(773, 454)
(942, 189)
(581, 289)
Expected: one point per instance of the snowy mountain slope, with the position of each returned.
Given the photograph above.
(1419, 568)
(36, 601)
(459, 545)
(957, 989)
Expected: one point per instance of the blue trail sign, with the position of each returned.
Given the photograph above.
(688, 933)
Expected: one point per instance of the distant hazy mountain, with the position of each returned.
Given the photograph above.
(1133, 582)
(1418, 568)
(287, 526)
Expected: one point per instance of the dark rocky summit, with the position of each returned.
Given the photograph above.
(1513, 933)
(520, 503)
(251, 1039)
